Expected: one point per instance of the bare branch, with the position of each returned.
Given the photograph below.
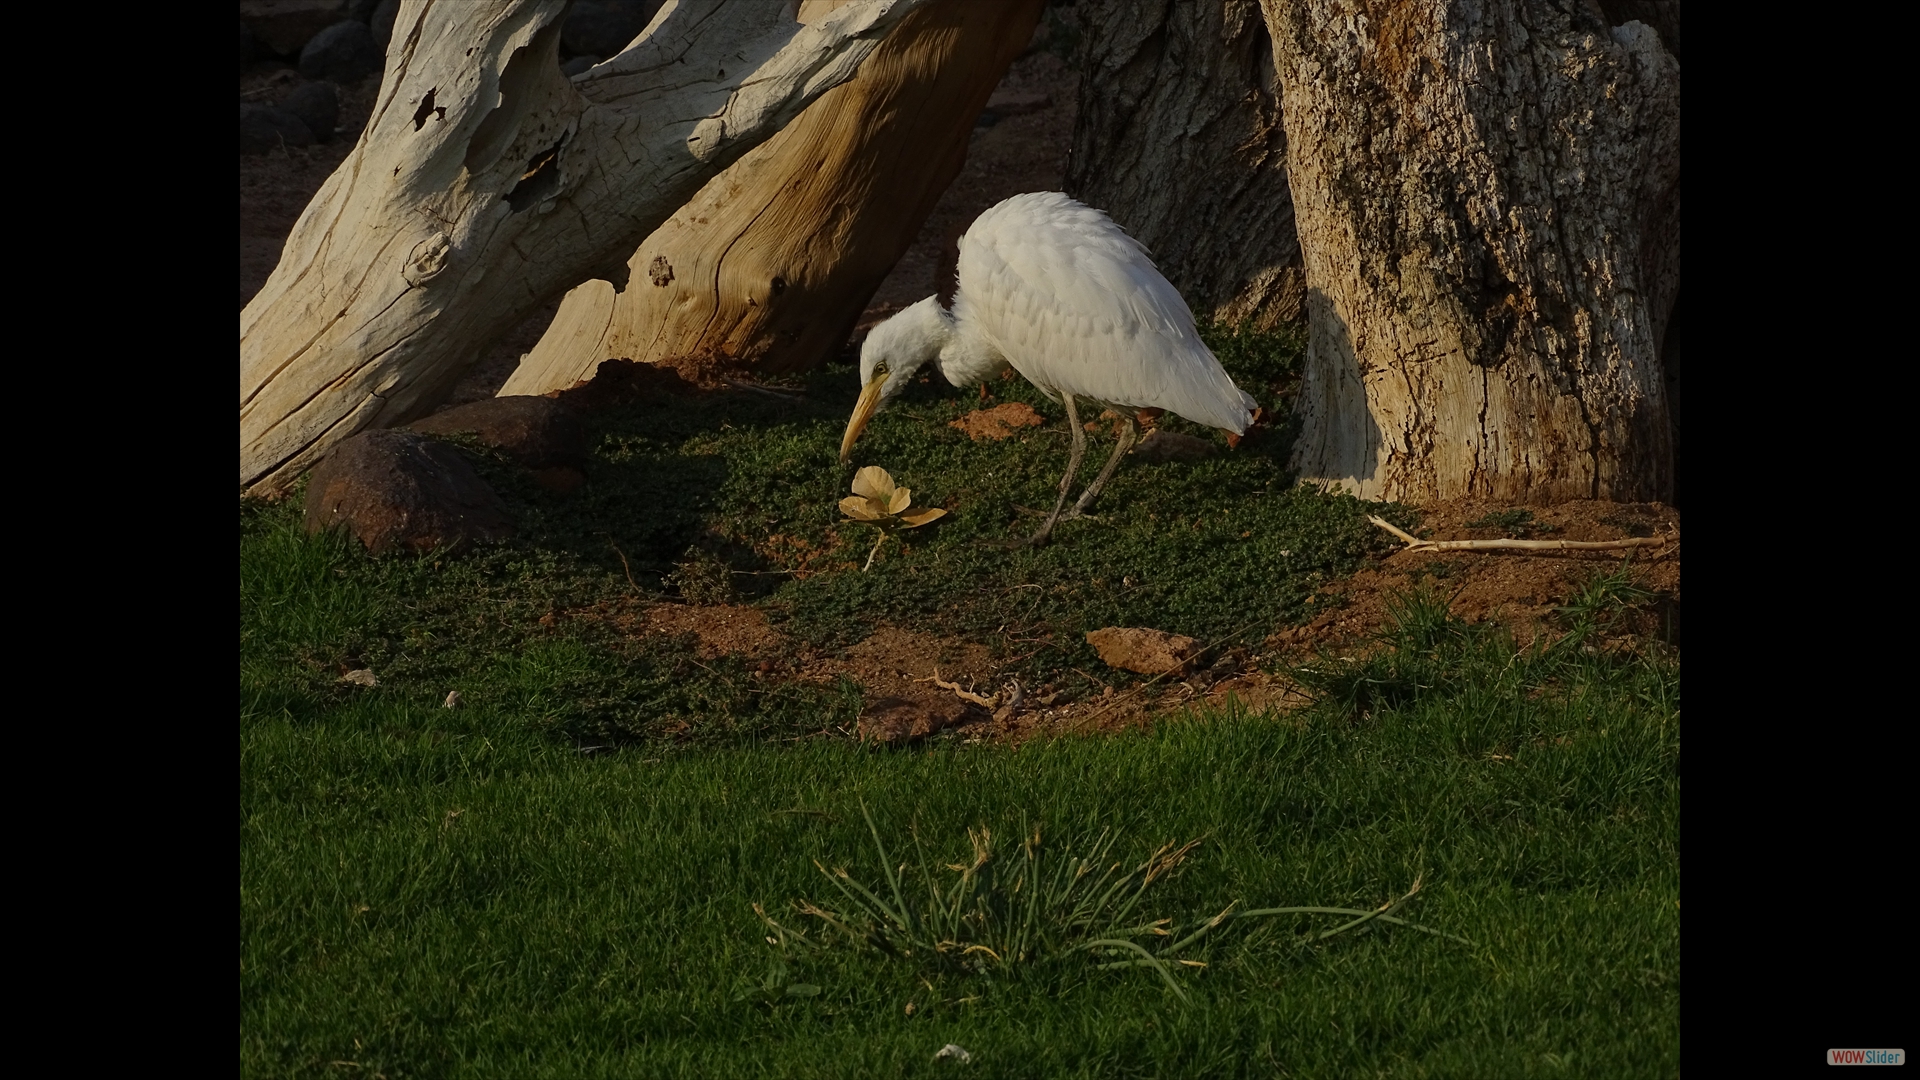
(1414, 543)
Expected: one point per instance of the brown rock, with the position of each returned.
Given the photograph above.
(999, 422)
(538, 432)
(901, 720)
(401, 490)
(1147, 651)
(1163, 445)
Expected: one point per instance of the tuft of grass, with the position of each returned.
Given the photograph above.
(1011, 916)
(1602, 595)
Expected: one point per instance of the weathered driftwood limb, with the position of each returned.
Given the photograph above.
(770, 265)
(1488, 203)
(485, 184)
(1414, 543)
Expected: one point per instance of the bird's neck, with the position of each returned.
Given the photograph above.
(967, 357)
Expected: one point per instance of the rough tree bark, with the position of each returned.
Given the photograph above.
(1179, 140)
(1488, 200)
(770, 265)
(486, 183)
(1663, 16)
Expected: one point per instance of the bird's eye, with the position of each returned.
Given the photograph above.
(880, 368)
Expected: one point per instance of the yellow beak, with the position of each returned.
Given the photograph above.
(862, 412)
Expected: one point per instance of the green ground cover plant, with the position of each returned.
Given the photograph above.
(735, 498)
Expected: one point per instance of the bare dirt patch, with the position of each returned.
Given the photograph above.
(1000, 422)
(1523, 591)
(721, 630)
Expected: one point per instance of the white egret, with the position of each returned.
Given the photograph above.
(1054, 288)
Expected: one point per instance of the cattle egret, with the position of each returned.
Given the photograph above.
(1054, 288)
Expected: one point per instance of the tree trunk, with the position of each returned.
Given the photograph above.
(1488, 198)
(486, 184)
(1179, 140)
(772, 262)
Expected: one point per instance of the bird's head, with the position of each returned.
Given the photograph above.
(893, 351)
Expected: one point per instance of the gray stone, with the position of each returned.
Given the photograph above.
(317, 104)
(400, 491)
(343, 53)
(578, 64)
(264, 128)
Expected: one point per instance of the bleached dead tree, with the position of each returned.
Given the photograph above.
(770, 265)
(486, 183)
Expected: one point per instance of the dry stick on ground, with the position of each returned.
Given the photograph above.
(984, 702)
(1005, 705)
(1414, 543)
(623, 562)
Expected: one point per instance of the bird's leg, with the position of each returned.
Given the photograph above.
(1122, 443)
(1073, 467)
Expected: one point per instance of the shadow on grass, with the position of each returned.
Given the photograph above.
(733, 497)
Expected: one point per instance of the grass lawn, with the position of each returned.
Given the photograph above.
(559, 878)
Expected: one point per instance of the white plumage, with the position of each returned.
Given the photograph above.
(1056, 289)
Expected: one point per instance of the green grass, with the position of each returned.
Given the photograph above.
(440, 893)
(559, 877)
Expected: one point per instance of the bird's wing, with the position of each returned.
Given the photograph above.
(1076, 305)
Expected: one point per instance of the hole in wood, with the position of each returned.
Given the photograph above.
(539, 181)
